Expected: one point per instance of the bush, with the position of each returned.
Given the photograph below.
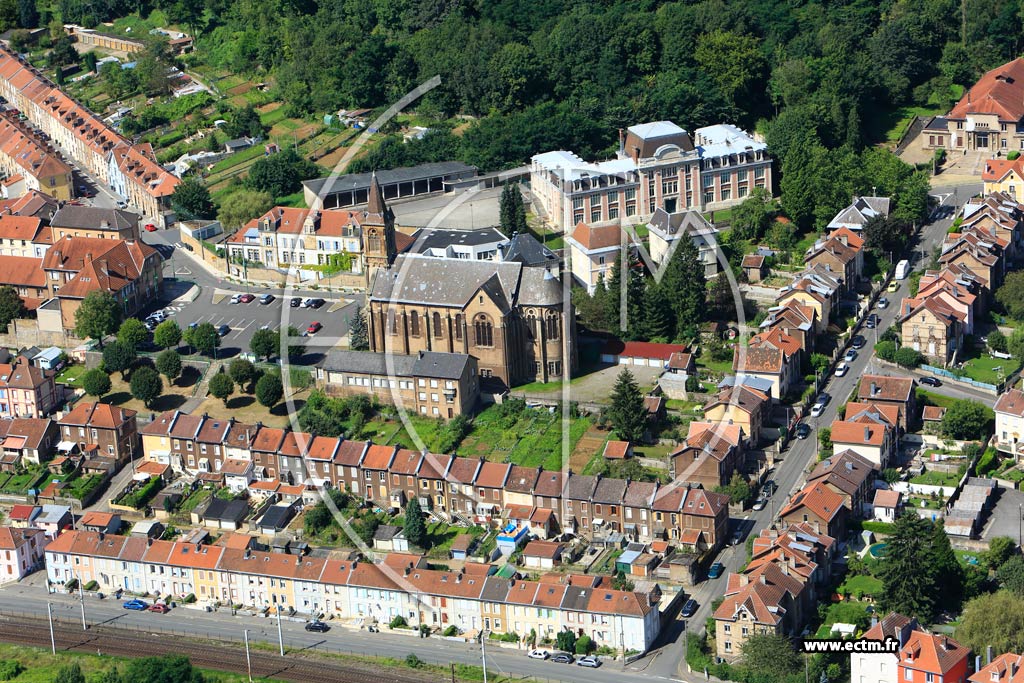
(398, 622)
(907, 357)
(584, 645)
(450, 631)
(412, 661)
(1013, 155)
(997, 341)
(10, 669)
(189, 599)
(988, 462)
(886, 350)
(91, 586)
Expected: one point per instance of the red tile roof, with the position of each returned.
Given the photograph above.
(1000, 92)
(597, 236)
(932, 653)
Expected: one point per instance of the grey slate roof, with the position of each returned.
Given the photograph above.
(277, 517)
(576, 598)
(427, 364)
(580, 487)
(437, 238)
(225, 510)
(524, 248)
(610, 491)
(418, 279)
(360, 181)
(91, 217)
(495, 589)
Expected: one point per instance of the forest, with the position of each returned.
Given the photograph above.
(541, 74)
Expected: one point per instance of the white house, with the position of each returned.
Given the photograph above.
(21, 552)
(1009, 420)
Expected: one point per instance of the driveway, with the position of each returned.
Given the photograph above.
(597, 386)
(1005, 519)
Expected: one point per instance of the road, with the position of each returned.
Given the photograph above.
(31, 597)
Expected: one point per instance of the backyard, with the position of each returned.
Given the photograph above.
(523, 436)
(984, 368)
(937, 478)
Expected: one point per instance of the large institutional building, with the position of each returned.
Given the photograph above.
(658, 165)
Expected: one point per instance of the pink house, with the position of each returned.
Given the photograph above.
(21, 552)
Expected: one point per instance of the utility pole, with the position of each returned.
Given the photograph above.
(81, 598)
(248, 661)
(49, 616)
(483, 653)
(280, 636)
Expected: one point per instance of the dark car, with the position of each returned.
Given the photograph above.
(223, 330)
(266, 299)
(769, 487)
(690, 608)
(246, 298)
(803, 430)
(715, 570)
(562, 658)
(930, 381)
(318, 627)
(295, 302)
(316, 303)
(858, 342)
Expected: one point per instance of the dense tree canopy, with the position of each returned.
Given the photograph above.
(920, 574)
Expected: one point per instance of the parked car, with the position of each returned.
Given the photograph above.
(223, 330)
(803, 430)
(266, 299)
(150, 227)
(737, 537)
(851, 355)
(137, 605)
(715, 570)
(819, 404)
(690, 608)
(769, 487)
(246, 298)
(858, 342)
(295, 302)
(318, 627)
(589, 661)
(314, 327)
(893, 286)
(562, 658)
(538, 654)
(842, 369)
(930, 381)
(882, 302)
(315, 303)
(236, 299)
(870, 322)
(159, 609)
(760, 503)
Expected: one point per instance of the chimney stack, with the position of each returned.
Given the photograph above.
(988, 655)
(867, 433)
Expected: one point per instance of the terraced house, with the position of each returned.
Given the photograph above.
(30, 163)
(131, 169)
(233, 573)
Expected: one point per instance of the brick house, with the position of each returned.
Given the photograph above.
(113, 430)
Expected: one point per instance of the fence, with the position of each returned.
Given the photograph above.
(264, 639)
(942, 372)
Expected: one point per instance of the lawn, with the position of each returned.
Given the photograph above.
(723, 367)
(848, 612)
(194, 499)
(81, 487)
(861, 585)
(936, 478)
(931, 398)
(71, 375)
(440, 537)
(533, 439)
(20, 483)
(984, 368)
(926, 503)
(245, 408)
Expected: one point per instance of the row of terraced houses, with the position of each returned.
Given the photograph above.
(472, 598)
(131, 169)
(469, 490)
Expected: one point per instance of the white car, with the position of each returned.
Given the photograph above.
(236, 299)
(817, 409)
(851, 355)
(538, 654)
(842, 369)
(882, 302)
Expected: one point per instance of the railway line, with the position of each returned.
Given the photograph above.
(207, 655)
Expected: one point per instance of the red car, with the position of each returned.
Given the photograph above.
(160, 609)
(246, 298)
(313, 328)
(150, 227)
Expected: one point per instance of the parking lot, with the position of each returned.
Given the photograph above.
(244, 319)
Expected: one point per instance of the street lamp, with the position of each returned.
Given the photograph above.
(483, 653)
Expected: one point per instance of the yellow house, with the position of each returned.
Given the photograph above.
(821, 305)
(1003, 175)
(739, 405)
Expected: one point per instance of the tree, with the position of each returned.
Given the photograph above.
(995, 620)
(920, 574)
(28, 14)
(770, 654)
(11, 306)
(738, 489)
(1015, 344)
(164, 669)
(132, 333)
(1000, 549)
(358, 334)
(997, 341)
(168, 364)
(280, 174)
(245, 123)
(886, 350)
(511, 212)
(585, 645)
(63, 53)
(72, 673)
(721, 303)
(153, 64)
(627, 413)
(146, 384)
(1010, 294)
(265, 343)
(885, 233)
(191, 200)
(95, 382)
(269, 390)
(750, 219)
(415, 529)
(907, 357)
(98, 315)
(1011, 575)
(242, 205)
(203, 338)
(801, 178)
(118, 357)
(167, 334)
(966, 419)
(222, 386)
(242, 372)
(685, 288)
(566, 641)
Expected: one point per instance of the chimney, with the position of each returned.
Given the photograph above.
(874, 620)
(744, 579)
(635, 155)
(867, 433)
(988, 655)
(622, 140)
(764, 580)
(977, 662)
(149, 541)
(248, 553)
(408, 570)
(874, 388)
(102, 535)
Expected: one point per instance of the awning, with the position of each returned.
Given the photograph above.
(14, 442)
(66, 446)
(598, 522)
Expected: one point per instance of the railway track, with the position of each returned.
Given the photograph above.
(203, 654)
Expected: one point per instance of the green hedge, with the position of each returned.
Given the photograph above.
(139, 497)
